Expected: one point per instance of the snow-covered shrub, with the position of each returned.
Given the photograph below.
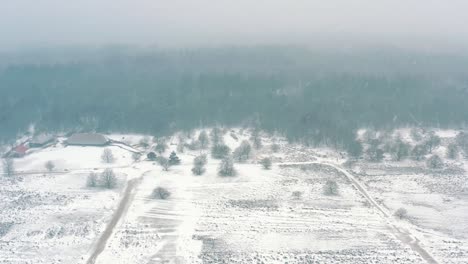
(199, 164)
(242, 153)
(220, 151)
(330, 188)
(226, 168)
(8, 167)
(297, 195)
(401, 213)
(164, 162)
(266, 163)
(49, 165)
(160, 193)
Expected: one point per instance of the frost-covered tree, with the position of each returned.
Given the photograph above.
(199, 163)
(275, 147)
(220, 151)
(8, 167)
(203, 139)
(164, 162)
(242, 153)
(400, 150)
(256, 139)
(151, 156)
(107, 156)
(145, 142)
(330, 188)
(452, 151)
(92, 180)
(174, 159)
(435, 162)
(432, 142)
(108, 179)
(462, 141)
(49, 165)
(266, 163)
(160, 193)
(418, 152)
(216, 136)
(226, 168)
(161, 146)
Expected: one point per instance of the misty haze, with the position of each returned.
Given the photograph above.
(233, 131)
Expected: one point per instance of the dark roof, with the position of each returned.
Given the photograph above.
(87, 139)
(41, 139)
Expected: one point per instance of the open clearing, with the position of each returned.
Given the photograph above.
(260, 216)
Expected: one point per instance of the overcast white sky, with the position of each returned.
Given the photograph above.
(30, 23)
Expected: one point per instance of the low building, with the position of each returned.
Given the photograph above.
(19, 151)
(41, 140)
(87, 139)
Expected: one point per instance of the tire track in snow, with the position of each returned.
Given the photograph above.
(124, 204)
(402, 234)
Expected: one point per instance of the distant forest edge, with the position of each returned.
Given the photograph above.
(312, 95)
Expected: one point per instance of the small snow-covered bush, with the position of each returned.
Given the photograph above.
(266, 163)
(107, 156)
(160, 193)
(226, 168)
(401, 213)
(297, 195)
(49, 165)
(435, 162)
(330, 188)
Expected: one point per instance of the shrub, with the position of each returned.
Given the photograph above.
(151, 156)
(297, 195)
(145, 142)
(136, 156)
(160, 193)
(203, 140)
(330, 188)
(107, 156)
(452, 151)
(266, 163)
(161, 146)
(226, 168)
(401, 213)
(49, 165)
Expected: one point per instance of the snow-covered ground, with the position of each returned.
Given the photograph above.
(260, 216)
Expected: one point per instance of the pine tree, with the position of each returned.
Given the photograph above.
(173, 159)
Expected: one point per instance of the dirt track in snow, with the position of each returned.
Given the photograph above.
(402, 234)
(121, 210)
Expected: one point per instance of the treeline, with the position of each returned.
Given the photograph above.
(306, 95)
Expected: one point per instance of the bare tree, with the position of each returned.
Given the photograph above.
(108, 179)
(266, 163)
(92, 180)
(8, 167)
(432, 142)
(107, 156)
(226, 168)
(49, 165)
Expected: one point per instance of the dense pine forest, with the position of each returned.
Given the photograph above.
(312, 95)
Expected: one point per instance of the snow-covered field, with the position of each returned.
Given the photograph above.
(260, 216)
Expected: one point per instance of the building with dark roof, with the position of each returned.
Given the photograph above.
(87, 139)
